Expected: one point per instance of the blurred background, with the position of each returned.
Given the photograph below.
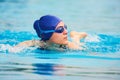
(100, 16)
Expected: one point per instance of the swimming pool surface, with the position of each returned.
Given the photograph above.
(100, 60)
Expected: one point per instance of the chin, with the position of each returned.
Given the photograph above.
(62, 42)
(65, 43)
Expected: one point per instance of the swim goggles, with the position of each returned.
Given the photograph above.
(60, 29)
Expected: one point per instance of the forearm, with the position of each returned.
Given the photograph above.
(78, 35)
(19, 47)
(28, 43)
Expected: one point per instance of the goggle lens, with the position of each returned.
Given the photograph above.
(60, 29)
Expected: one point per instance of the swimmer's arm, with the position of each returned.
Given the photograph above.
(28, 43)
(73, 46)
(19, 47)
(79, 35)
(76, 36)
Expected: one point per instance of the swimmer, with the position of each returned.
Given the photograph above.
(53, 35)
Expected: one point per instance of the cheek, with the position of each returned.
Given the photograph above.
(61, 39)
(58, 38)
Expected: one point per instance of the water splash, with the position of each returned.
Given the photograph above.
(92, 38)
(103, 43)
(100, 43)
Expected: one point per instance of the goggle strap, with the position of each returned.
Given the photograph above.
(42, 31)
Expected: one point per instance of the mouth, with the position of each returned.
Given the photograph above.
(66, 38)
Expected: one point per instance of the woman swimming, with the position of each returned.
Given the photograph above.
(53, 34)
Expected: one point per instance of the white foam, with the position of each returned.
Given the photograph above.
(4, 47)
(9, 48)
(92, 38)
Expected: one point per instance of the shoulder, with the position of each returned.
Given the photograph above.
(38, 43)
(74, 46)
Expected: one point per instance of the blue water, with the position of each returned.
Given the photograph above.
(100, 61)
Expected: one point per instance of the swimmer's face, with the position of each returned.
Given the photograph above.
(60, 38)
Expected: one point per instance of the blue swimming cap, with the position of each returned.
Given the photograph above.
(45, 23)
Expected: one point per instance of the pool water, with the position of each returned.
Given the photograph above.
(100, 60)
